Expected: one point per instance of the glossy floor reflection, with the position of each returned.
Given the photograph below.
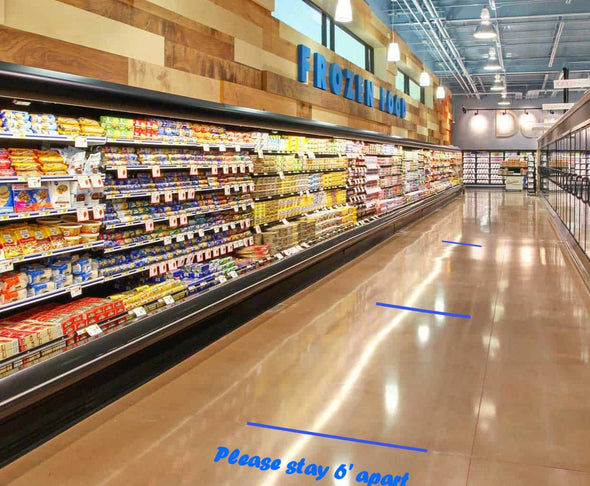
(498, 399)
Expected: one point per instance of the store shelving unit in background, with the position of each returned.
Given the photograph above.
(489, 168)
(193, 223)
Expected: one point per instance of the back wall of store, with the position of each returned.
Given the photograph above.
(218, 50)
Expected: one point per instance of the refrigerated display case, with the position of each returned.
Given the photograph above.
(504, 168)
(129, 217)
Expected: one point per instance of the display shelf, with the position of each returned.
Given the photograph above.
(39, 214)
(196, 189)
(138, 222)
(72, 289)
(80, 139)
(143, 168)
(295, 172)
(46, 178)
(186, 234)
(171, 143)
(95, 245)
(299, 193)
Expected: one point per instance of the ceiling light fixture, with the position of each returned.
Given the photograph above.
(393, 52)
(485, 30)
(424, 79)
(498, 84)
(504, 103)
(343, 11)
(440, 93)
(492, 65)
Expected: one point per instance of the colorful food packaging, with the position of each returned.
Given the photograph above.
(6, 201)
(27, 199)
(59, 194)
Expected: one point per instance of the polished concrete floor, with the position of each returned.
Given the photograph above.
(502, 398)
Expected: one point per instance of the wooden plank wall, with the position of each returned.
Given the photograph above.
(227, 51)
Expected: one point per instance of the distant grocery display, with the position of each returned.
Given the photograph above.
(164, 209)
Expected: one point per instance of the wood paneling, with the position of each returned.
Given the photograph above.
(43, 52)
(219, 50)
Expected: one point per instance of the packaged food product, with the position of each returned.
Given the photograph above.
(89, 237)
(93, 227)
(8, 347)
(10, 296)
(59, 194)
(73, 240)
(13, 281)
(70, 229)
(37, 274)
(6, 201)
(81, 266)
(27, 199)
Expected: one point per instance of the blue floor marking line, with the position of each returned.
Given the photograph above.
(438, 313)
(464, 244)
(328, 436)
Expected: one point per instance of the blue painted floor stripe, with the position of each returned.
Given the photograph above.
(338, 437)
(464, 244)
(426, 311)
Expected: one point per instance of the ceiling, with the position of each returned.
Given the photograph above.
(440, 33)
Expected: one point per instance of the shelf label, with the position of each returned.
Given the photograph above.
(168, 196)
(154, 271)
(245, 187)
(304, 245)
(311, 155)
(236, 188)
(81, 142)
(194, 170)
(237, 148)
(121, 172)
(167, 240)
(183, 220)
(285, 222)
(172, 265)
(206, 147)
(227, 190)
(242, 168)
(200, 256)
(139, 312)
(190, 259)
(149, 225)
(225, 169)
(222, 279)
(234, 169)
(247, 223)
(190, 194)
(251, 240)
(190, 235)
(163, 267)
(233, 274)
(251, 167)
(181, 195)
(173, 221)
(34, 182)
(278, 256)
(93, 330)
(222, 249)
(216, 251)
(232, 225)
(214, 170)
(222, 148)
(241, 225)
(224, 227)
(75, 290)
(207, 254)
(98, 212)
(281, 175)
(156, 171)
(201, 232)
(230, 247)
(155, 198)
(257, 229)
(6, 266)
(260, 154)
(82, 214)
(216, 229)
(96, 181)
(168, 300)
(237, 209)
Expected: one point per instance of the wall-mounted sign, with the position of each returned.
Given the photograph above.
(346, 83)
(557, 106)
(571, 83)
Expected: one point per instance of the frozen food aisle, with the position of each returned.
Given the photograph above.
(500, 398)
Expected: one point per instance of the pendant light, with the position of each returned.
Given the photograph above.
(440, 93)
(485, 30)
(492, 64)
(424, 79)
(343, 11)
(393, 52)
(498, 85)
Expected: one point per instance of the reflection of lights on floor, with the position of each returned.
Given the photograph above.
(423, 333)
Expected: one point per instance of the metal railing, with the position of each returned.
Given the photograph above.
(569, 195)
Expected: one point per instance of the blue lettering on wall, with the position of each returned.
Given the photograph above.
(348, 76)
(369, 93)
(335, 78)
(352, 86)
(358, 88)
(320, 70)
(303, 66)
